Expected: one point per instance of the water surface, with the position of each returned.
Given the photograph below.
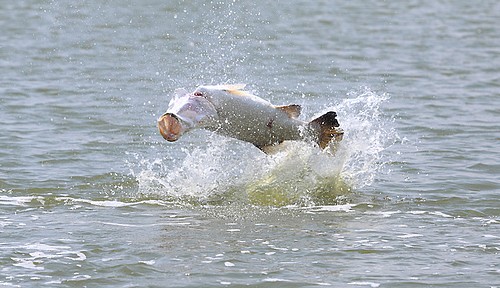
(91, 195)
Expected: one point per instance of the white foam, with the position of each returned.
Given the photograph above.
(410, 236)
(436, 213)
(45, 247)
(229, 264)
(148, 262)
(111, 203)
(275, 280)
(18, 200)
(332, 208)
(27, 263)
(39, 253)
(371, 284)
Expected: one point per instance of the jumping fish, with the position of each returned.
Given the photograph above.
(231, 111)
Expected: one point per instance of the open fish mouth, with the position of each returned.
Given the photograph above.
(170, 127)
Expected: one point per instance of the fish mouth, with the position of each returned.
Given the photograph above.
(170, 127)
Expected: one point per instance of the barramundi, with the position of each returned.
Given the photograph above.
(231, 111)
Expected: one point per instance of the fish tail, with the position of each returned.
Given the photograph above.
(326, 129)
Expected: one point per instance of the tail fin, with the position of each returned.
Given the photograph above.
(325, 128)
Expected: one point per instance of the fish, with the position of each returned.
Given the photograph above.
(231, 111)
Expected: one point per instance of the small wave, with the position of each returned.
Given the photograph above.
(34, 256)
(111, 203)
(6, 200)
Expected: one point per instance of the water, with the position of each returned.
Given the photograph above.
(91, 196)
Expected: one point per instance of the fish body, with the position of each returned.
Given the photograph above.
(233, 112)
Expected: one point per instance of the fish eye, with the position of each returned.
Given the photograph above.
(198, 93)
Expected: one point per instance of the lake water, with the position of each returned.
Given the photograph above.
(92, 196)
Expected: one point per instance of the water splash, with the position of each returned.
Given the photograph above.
(227, 171)
(367, 135)
(222, 42)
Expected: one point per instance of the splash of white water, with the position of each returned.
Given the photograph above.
(226, 170)
(367, 135)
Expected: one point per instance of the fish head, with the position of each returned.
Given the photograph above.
(186, 111)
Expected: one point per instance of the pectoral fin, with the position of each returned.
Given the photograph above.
(293, 111)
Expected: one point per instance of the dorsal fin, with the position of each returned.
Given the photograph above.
(293, 111)
(235, 89)
(231, 86)
(237, 92)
